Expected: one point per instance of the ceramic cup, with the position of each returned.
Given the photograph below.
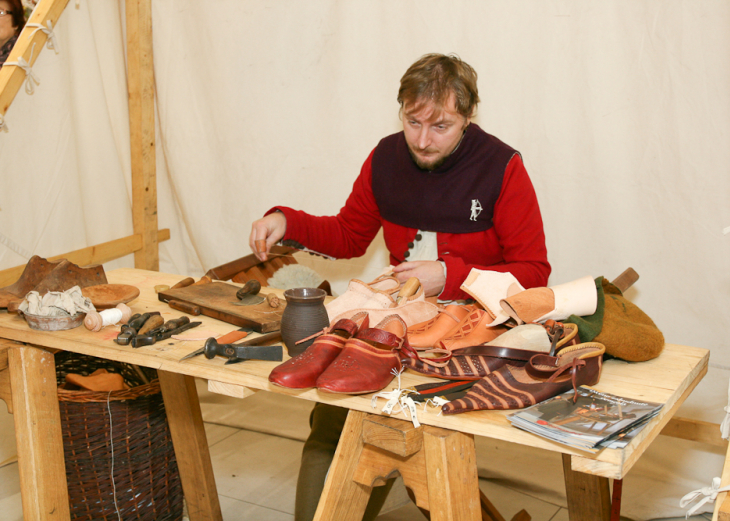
(303, 316)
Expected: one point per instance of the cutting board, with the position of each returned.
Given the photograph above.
(217, 300)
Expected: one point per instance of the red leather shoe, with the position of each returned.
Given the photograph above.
(369, 361)
(302, 371)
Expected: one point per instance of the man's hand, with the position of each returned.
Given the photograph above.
(430, 273)
(270, 229)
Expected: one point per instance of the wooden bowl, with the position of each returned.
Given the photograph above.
(105, 296)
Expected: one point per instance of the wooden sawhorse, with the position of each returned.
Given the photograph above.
(438, 466)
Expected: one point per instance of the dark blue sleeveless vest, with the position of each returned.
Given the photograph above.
(457, 197)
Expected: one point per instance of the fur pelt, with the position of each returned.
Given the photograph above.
(295, 276)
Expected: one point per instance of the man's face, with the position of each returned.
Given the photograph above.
(432, 134)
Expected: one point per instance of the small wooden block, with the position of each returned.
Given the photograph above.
(237, 391)
(393, 435)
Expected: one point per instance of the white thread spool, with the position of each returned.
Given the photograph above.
(95, 321)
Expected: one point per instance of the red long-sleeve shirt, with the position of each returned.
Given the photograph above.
(515, 244)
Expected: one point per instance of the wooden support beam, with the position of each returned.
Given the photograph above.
(141, 88)
(12, 77)
(98, 254)
(191, 446)
(722, 503)
(695, 430)
(44, 491)
(584, 492)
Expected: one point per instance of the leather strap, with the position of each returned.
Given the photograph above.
(496, 352)
(379, 336)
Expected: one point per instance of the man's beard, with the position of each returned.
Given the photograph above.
(426, 165)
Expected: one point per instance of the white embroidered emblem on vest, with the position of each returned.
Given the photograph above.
(476, 209)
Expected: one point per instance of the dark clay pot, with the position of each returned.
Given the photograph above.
(303, 316)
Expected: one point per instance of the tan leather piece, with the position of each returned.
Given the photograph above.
(427, 334)
(471, 331)
(360, 295)
(99, 380)
(411, 312)
(529, 305)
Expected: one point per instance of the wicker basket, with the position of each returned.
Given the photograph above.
(134, 477)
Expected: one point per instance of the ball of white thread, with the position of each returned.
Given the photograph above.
(95, 321)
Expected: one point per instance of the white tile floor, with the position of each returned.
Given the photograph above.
(256, 472)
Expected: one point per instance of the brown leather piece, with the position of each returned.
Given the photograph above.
(531, 304)
(43, 276)
(34, 272)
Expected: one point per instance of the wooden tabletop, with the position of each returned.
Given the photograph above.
(667, 379)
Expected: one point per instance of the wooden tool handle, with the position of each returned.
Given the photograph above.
(190, 309)
(626, 279)
(184, 283)
(408, 289)
(153, 322)
(231, 337)
(252, 287)
(203, 280)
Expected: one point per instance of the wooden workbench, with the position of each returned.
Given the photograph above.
(668, 379)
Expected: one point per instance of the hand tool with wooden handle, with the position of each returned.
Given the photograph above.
(151, 323)
(408, 289)
(248, 294)
(241, 352)
(184, 283)
(269, 337)
(148, 340)
(130, 329)
(169, 326)
(185, 307)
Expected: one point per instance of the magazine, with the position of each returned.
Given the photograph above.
(595, 421)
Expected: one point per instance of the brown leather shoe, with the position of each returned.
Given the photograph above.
(302, 371)
(426, 334)
(473, 363)
(543, 377)
(369, 361)
(471, 331)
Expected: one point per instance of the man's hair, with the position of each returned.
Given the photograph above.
(434, 77)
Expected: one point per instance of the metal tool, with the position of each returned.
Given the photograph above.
(147, 340)
(269, 337)
(241, 353)
(169, 326)
(248, 294)
(130, 329)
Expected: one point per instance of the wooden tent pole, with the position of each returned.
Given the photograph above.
(141, 88)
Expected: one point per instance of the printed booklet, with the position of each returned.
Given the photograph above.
(595, 421)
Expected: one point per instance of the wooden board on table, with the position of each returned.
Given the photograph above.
(218, 300)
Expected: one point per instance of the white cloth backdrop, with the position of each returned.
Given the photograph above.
(620, 109)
